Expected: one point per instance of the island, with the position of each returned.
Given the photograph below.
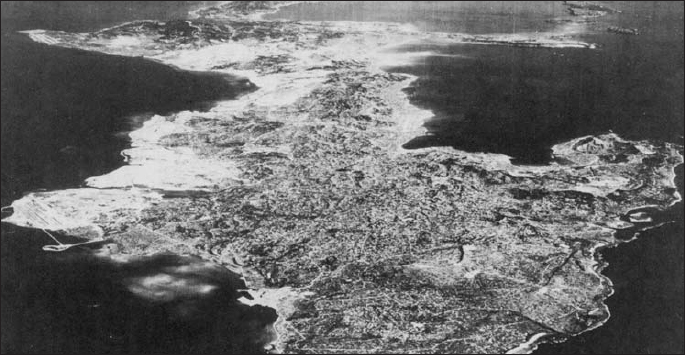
(303, 188)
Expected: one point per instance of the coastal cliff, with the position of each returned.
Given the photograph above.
(304, 189)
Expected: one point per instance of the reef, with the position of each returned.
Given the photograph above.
(623, 30)
(583, 15)
(588, 9)
(304, 189)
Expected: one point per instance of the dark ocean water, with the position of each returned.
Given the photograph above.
(475, 17)
(520, 101)
(61, 109)
(84, 16)
(75, 303)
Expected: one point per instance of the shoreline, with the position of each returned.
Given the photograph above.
(159, 127)
(531, 345)
(601, 264)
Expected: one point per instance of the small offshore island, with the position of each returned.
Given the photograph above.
(303, 188)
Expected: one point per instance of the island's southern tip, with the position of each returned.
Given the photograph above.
(342, 177)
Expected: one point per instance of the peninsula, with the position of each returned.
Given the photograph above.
(303, 188)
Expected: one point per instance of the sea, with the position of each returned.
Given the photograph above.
(65, 113)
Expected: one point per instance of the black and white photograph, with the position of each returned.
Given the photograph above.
(342, 177)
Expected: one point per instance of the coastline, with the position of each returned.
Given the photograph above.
(145, 150)
(532, 344)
